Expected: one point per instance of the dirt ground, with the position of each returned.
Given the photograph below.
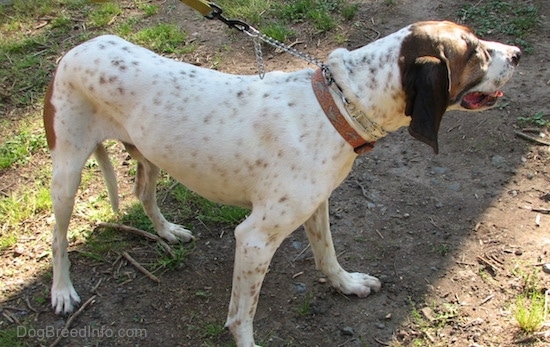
(449, 235)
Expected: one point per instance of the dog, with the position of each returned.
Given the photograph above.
(264, 144)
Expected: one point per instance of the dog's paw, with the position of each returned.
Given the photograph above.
(64, 299)
(174, 233)
(356, 283)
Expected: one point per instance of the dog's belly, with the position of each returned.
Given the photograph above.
(243, 163)
(215, 188)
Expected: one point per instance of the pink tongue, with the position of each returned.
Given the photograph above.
(478, 99)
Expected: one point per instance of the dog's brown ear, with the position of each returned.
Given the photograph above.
(426, 83)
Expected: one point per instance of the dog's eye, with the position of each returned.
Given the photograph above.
(473, 52)
(488, 53)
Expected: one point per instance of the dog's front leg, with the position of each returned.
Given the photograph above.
(256, 243)
(318, 232)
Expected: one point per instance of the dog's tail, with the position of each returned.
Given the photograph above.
(108, 173)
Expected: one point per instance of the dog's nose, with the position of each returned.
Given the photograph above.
(515, 56)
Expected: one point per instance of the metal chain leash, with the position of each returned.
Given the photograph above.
(259, 56)
(258, 37)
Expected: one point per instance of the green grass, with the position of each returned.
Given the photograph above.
(164, 38)
(278, 31)
(172, 262)
(538, 119)
(253, 11)
(304, 307)
(529, 312)
(322, 13)
(104, 14)
(213, 330)
(529, 309)
(349, 11)
(19, 149)
(18, 207)
(514, 19)
(148, 9)
(195, 206)
(27, 54)
(272, 16)
(8, 337)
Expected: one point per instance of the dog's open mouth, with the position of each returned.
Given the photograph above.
(477, 100)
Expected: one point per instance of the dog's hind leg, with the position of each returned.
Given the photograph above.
(68, 160)
(318, 232)
(145, 190)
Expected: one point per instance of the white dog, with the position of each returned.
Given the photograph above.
(262, 144)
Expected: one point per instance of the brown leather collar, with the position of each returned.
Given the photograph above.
(328, 105)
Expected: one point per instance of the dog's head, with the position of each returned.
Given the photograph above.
(444, 66)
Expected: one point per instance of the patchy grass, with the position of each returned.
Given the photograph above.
(195, 206)
(104, 14)
(529, 309)
(19, 149)
(163, 38)
(322, 13)
(148, 9)
(8, 337)
(32, 33)
(514, 19)
(304, 307)
(273, 16)
(278, 31)
(529, 312)
(538, 119)
(20, 207)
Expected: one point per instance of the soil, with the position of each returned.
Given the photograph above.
(452, 236)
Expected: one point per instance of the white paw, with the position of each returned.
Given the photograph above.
(64, 299)
(173, 233)
(356, 283)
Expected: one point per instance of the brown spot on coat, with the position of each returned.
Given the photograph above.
(49, 117)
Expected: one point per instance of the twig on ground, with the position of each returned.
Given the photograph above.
(380, 342)
(492, 263)
(487, 299)
(138, 232)
(168, 190)
(140, 268)
(540, 210)
(531, 138)
(29, 305)
(302, 252)
(10, 317)
(94, 289)
(71, 319)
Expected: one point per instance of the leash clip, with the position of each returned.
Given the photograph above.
(232, 23)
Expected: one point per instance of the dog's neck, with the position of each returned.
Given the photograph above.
(370, 80)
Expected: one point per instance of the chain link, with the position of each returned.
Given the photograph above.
(258, 37)
(259, 56)
(216, 13)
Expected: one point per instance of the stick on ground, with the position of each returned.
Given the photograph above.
(72, 318)
(140, 268)
(138, 232)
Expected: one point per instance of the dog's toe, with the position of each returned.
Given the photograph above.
(174, 233)
(357, 283)
(64, 300)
